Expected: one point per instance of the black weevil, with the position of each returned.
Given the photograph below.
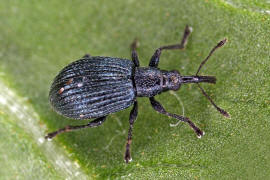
(94, 87)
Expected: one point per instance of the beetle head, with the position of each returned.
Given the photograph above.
(173, 80)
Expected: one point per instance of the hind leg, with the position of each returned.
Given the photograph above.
(94, 123)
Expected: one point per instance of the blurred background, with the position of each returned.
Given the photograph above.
(39, 38)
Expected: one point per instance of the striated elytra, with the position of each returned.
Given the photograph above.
(94, 87)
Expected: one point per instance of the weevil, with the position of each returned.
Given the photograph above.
(94, 87)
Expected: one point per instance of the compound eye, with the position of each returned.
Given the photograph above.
(174, 79)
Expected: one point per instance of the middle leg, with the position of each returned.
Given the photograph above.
(134, 55)
(132, 118)
(155, 58)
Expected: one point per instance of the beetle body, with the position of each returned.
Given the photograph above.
(97, 86)
(94, 87)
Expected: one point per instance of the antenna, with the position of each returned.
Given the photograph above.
(222, 111)
(220, 44)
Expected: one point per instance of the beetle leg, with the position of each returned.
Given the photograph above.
(134, 55)
(159, 108)
(86, 56)
(94, 123)
(155, 58)
(132, 118)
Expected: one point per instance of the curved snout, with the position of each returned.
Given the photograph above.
(198, 79)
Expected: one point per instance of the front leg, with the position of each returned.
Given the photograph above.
(132, 118)
(155, 58)
(159, 108)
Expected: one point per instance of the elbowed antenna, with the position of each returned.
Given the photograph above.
(220, 44)
(222, 111)
(208, 79)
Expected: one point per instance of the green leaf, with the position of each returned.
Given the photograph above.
(39, 38)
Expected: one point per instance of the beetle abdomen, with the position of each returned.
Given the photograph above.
(93, 87)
